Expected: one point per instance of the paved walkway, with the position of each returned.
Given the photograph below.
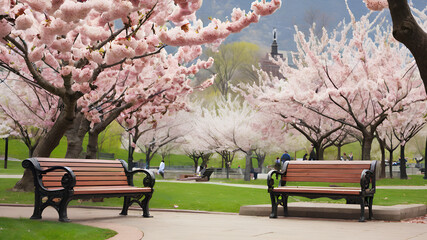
(189, 226)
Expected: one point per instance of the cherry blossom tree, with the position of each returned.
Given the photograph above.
(407, 30)
(388, 142)
(339, 139)
(355, 76)
(232, 125)
(406, 125)
(192, 144)
(159, 133)
(75, 51)
(28, 110)
(273, 97)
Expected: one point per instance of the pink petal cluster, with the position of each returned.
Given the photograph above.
(264, 8)
(5, 28)
(376, 5)
(216, 31)
(185, 11)
(23, 22)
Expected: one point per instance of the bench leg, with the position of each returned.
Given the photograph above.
(145, 204)
(285, 205)
(362, 209)
(126, 204)
(371, 200)
(37, 213)
(273, 213)
(62, 211)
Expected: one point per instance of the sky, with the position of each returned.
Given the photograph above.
(292, 12)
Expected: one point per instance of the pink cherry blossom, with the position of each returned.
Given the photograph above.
(376, 5)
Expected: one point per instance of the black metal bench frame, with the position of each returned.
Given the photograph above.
(60, 198)
(364, 198)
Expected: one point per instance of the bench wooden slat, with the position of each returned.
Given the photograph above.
(318, 190)
(110, 190)
(94, 190)
(328, 166)
(330, 171)
(333, 179)
(69, 160)
(87, 178)
(78, 164)
(86, 183)
(323, 174)
(61, 173)
(90, 169)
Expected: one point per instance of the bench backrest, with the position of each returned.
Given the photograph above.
(326, 171)
(89, 172)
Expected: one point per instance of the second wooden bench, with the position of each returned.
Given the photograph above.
(362, 172)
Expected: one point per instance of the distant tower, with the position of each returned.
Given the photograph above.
(266, 63)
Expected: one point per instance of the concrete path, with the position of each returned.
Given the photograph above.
(189, 226)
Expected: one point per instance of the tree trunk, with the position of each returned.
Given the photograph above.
(92, 145)
(319, 152)
(382, 170)
(248, 166)
(425, 161)
(407, 31)
(196, 164)
(403, 174)
(6, 151)
(75, 136)
(47, 144)
(366, 146)
(339, 152)
(130, 155)
(382, 149)
(227, 169)
(390, 165)
(261, 160)
(148, 158)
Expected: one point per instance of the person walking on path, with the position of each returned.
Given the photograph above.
(162, 168)
(277, 164)
(305, 156)
(285, 157)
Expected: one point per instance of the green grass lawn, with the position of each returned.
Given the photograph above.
(208, 197)
(13, 168)
(413, 180)
(25, 229)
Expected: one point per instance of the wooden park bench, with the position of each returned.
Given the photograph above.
(362, 172)
(202, 178)
(58, 181)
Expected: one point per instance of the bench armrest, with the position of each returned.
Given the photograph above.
(270, 178)
(367, 180)
(149, 179)
(68, 180)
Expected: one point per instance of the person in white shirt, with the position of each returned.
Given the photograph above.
(162, 168)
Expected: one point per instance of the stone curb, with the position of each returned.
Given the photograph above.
(339, 211)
